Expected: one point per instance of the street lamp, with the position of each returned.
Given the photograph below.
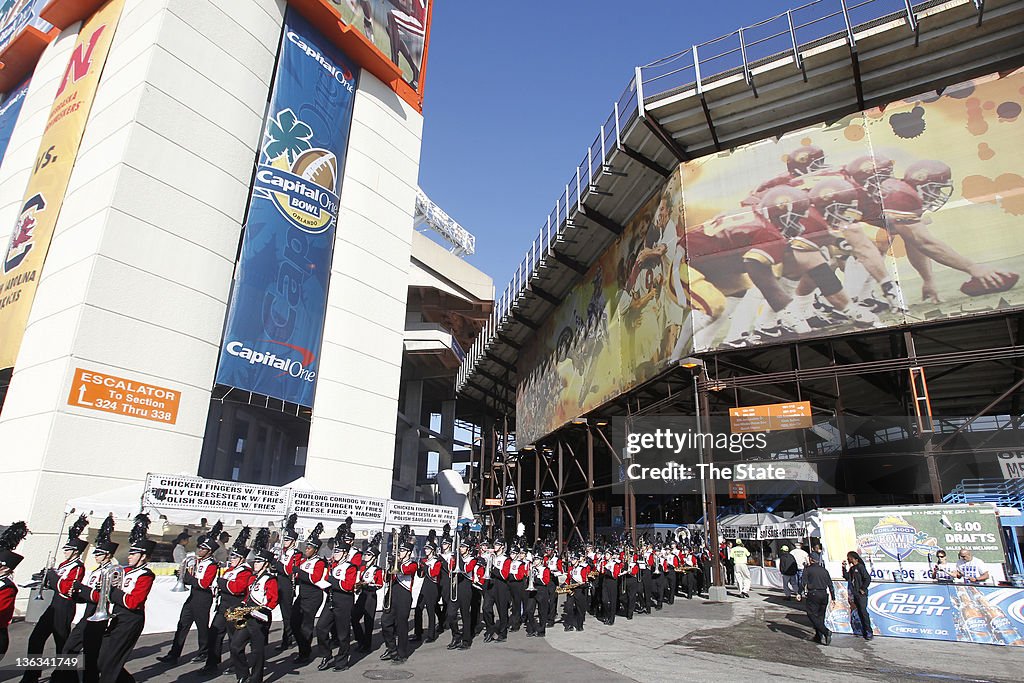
(716, 592)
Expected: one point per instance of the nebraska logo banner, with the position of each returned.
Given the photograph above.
(276, 317)
(58, 150)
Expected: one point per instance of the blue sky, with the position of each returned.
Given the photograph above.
(512, 100)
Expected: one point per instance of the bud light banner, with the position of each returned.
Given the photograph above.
(276, 317)
(10, 107)
(970, 614)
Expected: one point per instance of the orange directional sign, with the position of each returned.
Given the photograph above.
(110, 394)
(771, 417)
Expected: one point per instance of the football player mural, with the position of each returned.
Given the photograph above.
(899, 214)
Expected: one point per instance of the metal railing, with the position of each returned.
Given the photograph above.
(1004, 493)
(783, 36)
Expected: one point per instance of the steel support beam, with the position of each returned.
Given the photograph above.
(520, 318)
(504, 339)
(544, 294)
(490, 355)
(602, 220)
(569, 261)
(644, 161)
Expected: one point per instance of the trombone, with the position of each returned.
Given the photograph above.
(393, 571)
(454, 573)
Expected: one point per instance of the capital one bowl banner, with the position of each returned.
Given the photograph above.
(15, 15)
(275, 322)
(10, 107)
(970, 614)
(908, 213)
(58, 149)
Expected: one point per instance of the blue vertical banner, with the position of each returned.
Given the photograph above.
(15, 15)
(10, 107)
(275, 321)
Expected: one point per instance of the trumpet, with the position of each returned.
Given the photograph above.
(112, 576)
(238, 616)
(187, 565)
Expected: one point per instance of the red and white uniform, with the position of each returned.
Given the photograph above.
(289, 562)
(313, 572)
(68, 573)
(517, 570)
(262, 593)
(236, 581)
(653, 563)
(579, 574)
(670, 563)
(501, 567)
(432, 568)
(475, 571)
(406, 574)
(371, 576)
(134, 590)
(8, 593)
(611, 568)
(344, 575)
(541, 576)
(205, 574)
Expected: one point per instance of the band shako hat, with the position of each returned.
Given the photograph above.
(431, 541)
(259, 547)
(314, 536)
(343, 537)
(137, 539)
(446, 534)
(9, 540)
(464, 534)
(373, 546)
(209, 539)
(103, 544)
(406, 539)
(289, 533)
(74, 532)
(239, 549)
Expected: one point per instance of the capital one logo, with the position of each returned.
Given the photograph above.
(81, 61)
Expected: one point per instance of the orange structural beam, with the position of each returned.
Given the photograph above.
(358, 47)
(21, 54)
(63, 13)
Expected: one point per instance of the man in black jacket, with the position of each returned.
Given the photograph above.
(819, 588)
(858, 580)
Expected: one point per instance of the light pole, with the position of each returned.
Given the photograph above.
(709, 502)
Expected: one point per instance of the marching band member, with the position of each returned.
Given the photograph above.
(557, 571)
(445, 579)
(576, 602)
(537, 582)
(631, 584)
(87, 636)
(469, 574)
(430, 571)
(657, 574)
(610, 570)
(497, 594)
(336, 618)
(57, 618)
(128, 607)
(395, 621)
(9, 560)
(371, 579)
(231, 588)
(311, 580)
(260, 600)
(286, 564)
(669, 562)
(199, 577)
(517, 575)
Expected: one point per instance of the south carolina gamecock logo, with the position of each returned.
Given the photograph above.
(23, 239)
(301, 180)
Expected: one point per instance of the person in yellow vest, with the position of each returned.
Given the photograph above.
(739, 555)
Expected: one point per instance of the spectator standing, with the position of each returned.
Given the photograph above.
(802, 560)
(857, 582)
(819, 589)
(971, 569)
(787, 567)
(739, 555)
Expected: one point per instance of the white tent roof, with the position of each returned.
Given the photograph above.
(751, 519)
(123, 502)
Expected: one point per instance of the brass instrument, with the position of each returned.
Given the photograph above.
(392, 571)
(568, 588)
(111, 576)
(187, 565)
(44, 576)
(453, 574)
(238, 616)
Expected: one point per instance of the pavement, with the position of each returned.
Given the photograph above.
(763, 638)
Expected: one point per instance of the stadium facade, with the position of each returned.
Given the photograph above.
(824, 207)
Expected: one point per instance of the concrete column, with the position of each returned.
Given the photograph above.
(407, 462)
(444, 456)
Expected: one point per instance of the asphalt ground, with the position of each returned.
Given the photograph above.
(764, 638)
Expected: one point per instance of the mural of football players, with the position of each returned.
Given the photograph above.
(407, 31)
(640, 305)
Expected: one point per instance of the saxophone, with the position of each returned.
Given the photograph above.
(238, 616)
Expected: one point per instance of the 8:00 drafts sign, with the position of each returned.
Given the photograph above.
(275, 323)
